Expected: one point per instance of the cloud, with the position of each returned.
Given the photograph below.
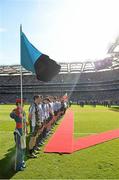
(3, 29)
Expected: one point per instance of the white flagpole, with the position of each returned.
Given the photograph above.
(21, 87)
(21, 79)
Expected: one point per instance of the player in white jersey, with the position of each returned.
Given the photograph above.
(36, 123)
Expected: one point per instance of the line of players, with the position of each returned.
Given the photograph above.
(43, 115)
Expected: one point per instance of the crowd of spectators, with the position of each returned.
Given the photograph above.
(85, 86)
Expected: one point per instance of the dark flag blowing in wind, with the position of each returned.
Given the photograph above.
(37, 62)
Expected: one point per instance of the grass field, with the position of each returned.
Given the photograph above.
(97, 162)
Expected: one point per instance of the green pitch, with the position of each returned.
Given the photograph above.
(98, 162)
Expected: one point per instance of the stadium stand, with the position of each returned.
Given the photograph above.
(80, 80)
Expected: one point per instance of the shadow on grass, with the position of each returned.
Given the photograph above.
(115, 108)
(7, 164)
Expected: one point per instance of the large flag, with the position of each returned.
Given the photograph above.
(35, 61)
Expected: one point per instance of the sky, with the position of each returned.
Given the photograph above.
(66, 30)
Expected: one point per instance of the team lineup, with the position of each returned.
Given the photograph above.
(43, 114)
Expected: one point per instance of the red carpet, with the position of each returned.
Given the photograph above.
(63, 141)
(92, 140)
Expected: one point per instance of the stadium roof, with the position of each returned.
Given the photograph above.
(73, 67)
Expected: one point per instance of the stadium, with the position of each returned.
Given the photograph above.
(59, 89)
